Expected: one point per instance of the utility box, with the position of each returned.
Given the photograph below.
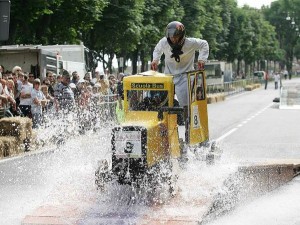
(218, 72)
(4, 19)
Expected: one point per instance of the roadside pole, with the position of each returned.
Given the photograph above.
(4, 19)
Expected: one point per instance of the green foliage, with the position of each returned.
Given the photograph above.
(286, 33)
(194, 17)
(163, 11)
(223, 38)
(213, 25)
(52, 22)
(119, 30)
(131, 28)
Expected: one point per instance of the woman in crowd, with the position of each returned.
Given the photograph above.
(11, 90)
(10, 101)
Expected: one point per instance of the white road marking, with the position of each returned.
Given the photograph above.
(226, 134)
(24, 154)
(243, 123)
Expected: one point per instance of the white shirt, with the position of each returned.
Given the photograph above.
(40, 96)
(186, 59)
(19, 86)
(26, 89)
(276, 77)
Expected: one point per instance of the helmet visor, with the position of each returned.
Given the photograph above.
(172, 32)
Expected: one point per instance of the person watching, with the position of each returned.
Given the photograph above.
(63, 94)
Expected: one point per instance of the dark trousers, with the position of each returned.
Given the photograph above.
(26, 110)
(266, 84)
(276, 84)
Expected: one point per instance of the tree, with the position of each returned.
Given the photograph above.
(118, 31)
(156, 16)
(223, 38)
(213, 25)
(287, 34)
(52, 22)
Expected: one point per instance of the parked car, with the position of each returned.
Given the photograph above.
(259, 74)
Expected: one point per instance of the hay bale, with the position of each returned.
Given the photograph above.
(220, 97)
(1, 149)
(257, 85)
(249, 88)
(211, 99)
(8, 146)
(34, 142)
(19, 127)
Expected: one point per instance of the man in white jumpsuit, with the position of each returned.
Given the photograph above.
(179, 58)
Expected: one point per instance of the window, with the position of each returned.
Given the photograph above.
(146, 100)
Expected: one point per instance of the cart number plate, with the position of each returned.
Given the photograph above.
(128, 144)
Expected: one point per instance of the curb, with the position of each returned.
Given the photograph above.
(247, 183)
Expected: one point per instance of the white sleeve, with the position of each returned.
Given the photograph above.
(158, 50)
(203, 49)
(33, 96)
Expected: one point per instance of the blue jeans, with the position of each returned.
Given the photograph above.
(36, 120)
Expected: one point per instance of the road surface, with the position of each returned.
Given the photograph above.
(60, 182)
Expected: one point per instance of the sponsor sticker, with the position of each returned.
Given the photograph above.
(128, 144)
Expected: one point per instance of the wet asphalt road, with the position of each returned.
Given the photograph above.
(250, 127)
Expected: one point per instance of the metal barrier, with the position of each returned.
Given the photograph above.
(2, 112)
(290, 97)
(231, 88)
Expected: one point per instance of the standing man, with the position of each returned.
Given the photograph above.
(63, 94)
(25, 97)
(37, 97)
(31, 78)
(75, 78)
(179, 56)
(276, 80)
(266, 78)
(179, 53)
(50, 77)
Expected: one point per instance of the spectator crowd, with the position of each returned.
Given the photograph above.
(92, 99)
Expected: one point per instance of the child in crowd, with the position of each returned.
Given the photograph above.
(49, 98)
(37, 97)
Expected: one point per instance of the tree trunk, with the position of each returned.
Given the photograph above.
(109, 63)
(143, 61)
(134, 62)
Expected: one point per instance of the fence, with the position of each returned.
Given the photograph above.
(231, 88)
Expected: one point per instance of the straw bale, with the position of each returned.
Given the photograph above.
(249, 88)
(8, 146)
(1, 149)
(19, 127)
(211, 99)
(220, 97)
(257, 85)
